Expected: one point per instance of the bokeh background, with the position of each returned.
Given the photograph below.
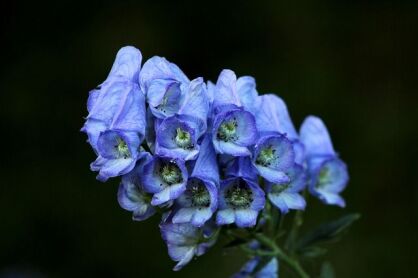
(353, 63)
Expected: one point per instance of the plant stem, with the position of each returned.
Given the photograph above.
(293, 233)
(293, 263)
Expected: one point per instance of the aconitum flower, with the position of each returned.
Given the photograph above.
(200, 200)
(249, 270)
(328, 174)
(204, 156)
(184, 241)
(286, 195)
(116, 122)
(234, 129)
(131, 193)
(165, 177)
(273, 117)
(164, 85)
(273, 155)
(239, 202)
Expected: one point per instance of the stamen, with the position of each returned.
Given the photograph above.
(171, 173)
(183, 138)
(266, 156)
(227, 131)
(198, 194)
(239, 196)
(122, 149)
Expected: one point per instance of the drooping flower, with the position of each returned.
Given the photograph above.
(233, 132)
(328, 174)
(164, 85)
(240, 201)
(118, 152)
(273, 117)
(200, 200)
(234, 129)
(165, 177)
(117, 117)
(184, 241)
(273, 156)
(286, 195)
(131, 193)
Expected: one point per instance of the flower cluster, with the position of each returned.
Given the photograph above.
(204, 155)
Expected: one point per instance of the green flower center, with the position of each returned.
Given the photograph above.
(171, 174)
(239, 196)
(182, 138)
(228, 131)
(323, 178)
(198, 193)
(122, 148)
(266, 156)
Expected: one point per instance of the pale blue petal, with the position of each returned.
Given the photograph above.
(127, 64)
(225, 216)
(226, 90)
(314, 135)
(246, 89)
(245, 218)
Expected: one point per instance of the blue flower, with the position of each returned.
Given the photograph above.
(273, 117)
(328, 174)
(200, 200)
(184, 241)
(116, 122)
(273, 156)
(177, 136)
(286, 195)
(131, 194)
(198, 203)
(233, 132)
(165, 177)
(164, 85)
(118, 152)
(239, 202)
(234, 128)
(270, 270)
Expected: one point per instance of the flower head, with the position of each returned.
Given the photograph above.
(184, 241)
(116, 122)
(131, 194)
(240, 200)
(166, 178)
(197, 204)
(273, 155)
(164, 85)
(328, 174)
(233, 132)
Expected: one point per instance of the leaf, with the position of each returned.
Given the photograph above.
(313, 252)
(327, 271)
(327, 232)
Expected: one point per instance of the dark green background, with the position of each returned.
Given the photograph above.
(350, 62)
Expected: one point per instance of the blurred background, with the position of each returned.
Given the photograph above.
(353, 63)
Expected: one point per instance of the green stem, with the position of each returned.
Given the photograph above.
(278, 252)
(296, 224)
